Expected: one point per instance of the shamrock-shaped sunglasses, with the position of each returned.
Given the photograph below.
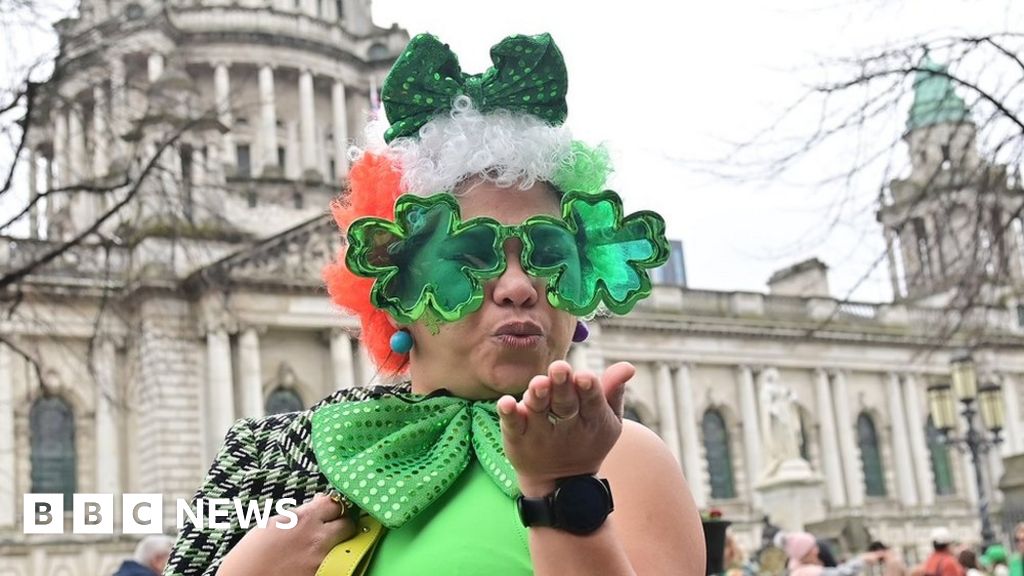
(428, 258)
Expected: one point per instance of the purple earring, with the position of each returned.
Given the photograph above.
(581, 333)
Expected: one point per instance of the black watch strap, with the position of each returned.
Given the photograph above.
(579, 504)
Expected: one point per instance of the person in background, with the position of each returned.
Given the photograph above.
(736, 562)
(969, 560)
(994, 560)
(804, 559)
(149, 558)
(941, 562)
(890, 562)
(828, 557)
(1017, 559)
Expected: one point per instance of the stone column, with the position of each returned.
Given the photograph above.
(292, 163)
(220, 396)
(579, 358)
(1011, 399)
(900, 444)
(890, 253)
(340, 130)
(108, 448)
(829, 443)
(367, 370)
(119, 112)
(76, 144)
(309, 7)
(250, 375)
(33, 193)
(341, 359)
(967, 468)
(693, 463)
(268, 120)
(155, 66)
(100, 134)
(751, 430)
(918, 443)
(60, 148)
(307, 124)
(222, 88)
(51, 208)
(847, 445)
(667, 413)
(934, 252)
(9, 504)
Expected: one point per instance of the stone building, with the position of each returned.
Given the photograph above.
(202, 302)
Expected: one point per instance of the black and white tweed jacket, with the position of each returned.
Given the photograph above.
(262, 458)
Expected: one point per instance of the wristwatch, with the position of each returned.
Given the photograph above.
(579, 505)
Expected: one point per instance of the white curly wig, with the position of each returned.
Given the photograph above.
(509, 149)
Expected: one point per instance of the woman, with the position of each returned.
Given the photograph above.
(476, 237)
(803, 552)
(969, 560)
(1017, 558)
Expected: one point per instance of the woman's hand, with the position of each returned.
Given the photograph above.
(565, 424)
(297, 551)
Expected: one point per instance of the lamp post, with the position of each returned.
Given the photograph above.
(986, 399)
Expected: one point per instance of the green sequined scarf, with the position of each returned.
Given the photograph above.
(393, 456)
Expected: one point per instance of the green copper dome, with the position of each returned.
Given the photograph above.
(935, 101)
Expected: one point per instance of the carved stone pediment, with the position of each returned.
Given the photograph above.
(293, 258)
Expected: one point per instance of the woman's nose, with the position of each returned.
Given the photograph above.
(515, 287)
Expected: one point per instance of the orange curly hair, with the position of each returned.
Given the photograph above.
(374, 185)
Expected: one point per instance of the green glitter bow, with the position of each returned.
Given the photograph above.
(394, 456)
(528, 76)
(429, 259)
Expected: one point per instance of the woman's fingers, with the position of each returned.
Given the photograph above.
(338, 531)
(513, 420)
(591, 394)
(613, 381)
(323, 508)
(537, 397)
(565, 402)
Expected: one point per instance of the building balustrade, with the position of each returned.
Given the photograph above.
(828, 311)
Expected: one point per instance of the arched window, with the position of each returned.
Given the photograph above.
(284, 400)
(870, 456)
(377, 51)
(133, 11)
(52, 445)
(716, 446)
(942, 473)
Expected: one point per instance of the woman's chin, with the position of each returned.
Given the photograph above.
(513, 379)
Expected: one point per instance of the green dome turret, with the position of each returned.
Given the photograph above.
(935, 100)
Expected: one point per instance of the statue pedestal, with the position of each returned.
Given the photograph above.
(792, 495)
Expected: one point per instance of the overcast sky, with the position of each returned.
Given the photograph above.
(669, 85)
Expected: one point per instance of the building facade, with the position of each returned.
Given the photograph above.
(128, 355)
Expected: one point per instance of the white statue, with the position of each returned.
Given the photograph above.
(780, 421)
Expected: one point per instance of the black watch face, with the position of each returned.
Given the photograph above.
(581, 504)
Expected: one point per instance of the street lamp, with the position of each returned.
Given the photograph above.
(989, 398)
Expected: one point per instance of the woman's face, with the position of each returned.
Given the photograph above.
(515, 334)
(811, 557)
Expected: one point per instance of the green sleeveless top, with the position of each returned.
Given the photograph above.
(473, 528)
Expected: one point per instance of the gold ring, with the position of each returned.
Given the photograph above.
(340, 500)
(555, 418)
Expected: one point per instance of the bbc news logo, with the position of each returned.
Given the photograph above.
(144, 513)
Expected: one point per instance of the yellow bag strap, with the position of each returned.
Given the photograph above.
(352, 557)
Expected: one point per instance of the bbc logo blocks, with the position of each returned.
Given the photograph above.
(93, 514)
